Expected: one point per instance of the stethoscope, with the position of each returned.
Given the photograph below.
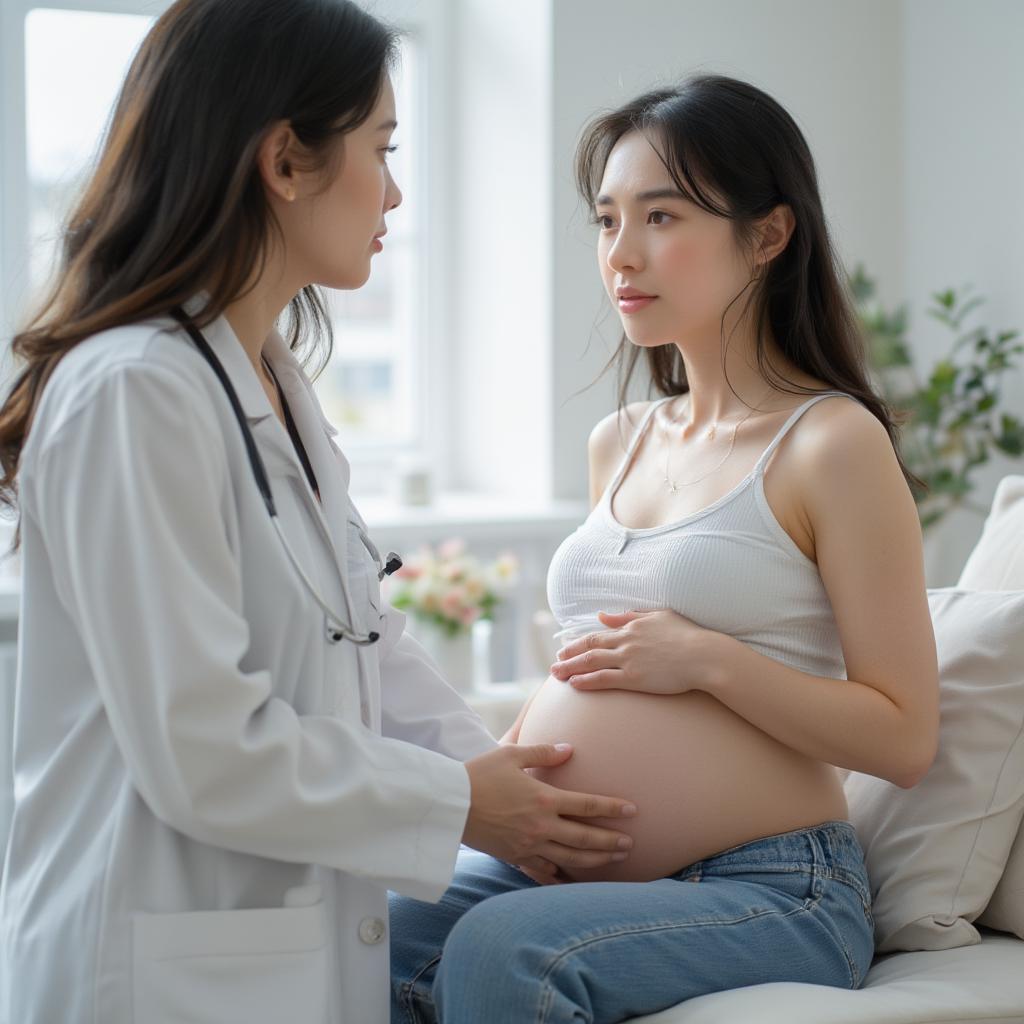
(337, 630)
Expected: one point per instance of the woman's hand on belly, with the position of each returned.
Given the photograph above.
(657, 652)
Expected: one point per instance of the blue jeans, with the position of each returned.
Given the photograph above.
(500, 948)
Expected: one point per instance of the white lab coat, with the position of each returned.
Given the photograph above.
(211, 800)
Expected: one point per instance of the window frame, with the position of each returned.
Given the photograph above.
(425, 22)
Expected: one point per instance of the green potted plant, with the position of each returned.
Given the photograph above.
(955, 416)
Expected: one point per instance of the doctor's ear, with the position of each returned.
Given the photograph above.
(774, 233)
(279, 160)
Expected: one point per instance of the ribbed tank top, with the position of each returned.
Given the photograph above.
(729, 567)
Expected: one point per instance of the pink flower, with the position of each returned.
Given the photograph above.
(452, 603)
(451, 548)
(409, 571)
(469, 616)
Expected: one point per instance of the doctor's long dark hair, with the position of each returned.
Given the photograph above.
(175, 203)
(718, 135)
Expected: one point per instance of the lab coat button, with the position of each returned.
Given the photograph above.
(371, 930)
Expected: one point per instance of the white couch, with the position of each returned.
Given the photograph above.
(979, 984)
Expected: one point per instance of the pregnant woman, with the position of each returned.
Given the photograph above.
(744, 610)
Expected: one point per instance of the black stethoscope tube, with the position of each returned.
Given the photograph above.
(337, 629)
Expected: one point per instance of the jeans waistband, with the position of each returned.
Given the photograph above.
(830, 848)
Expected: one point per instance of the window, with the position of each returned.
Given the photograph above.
(66, 112)
(63, 63)
(368, 389)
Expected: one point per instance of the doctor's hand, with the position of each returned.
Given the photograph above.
(519, 819)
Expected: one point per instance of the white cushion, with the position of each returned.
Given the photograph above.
(969, 985)
(1005, 910)
(997, 563)
(936, 852)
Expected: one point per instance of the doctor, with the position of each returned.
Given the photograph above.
(226, 748)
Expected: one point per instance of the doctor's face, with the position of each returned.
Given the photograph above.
(339, 232)
(669, 267)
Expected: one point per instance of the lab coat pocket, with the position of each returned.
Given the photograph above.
(217, 967)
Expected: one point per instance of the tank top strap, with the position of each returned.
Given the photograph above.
(634, 443)
(794, 416)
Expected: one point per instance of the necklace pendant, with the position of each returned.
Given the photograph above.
(671, 485)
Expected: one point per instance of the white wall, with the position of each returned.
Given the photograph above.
(501, 272)
(962, 199)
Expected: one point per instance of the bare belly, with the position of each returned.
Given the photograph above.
(703, 778)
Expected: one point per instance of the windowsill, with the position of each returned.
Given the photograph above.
(471, 515)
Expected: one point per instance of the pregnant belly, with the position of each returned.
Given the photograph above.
(703, 778)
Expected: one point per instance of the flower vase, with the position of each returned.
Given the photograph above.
(453, 654)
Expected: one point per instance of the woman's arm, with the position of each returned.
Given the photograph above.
(884, 718)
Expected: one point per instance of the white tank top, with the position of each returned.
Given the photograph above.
(730, 567)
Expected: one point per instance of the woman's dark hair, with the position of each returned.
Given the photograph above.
(175, 203)
(718, 135)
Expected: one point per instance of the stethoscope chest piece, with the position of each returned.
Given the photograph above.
(335, 635)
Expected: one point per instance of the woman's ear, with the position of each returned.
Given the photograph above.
(774, 232)
(276, 159)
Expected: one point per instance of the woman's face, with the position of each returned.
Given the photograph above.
(655, 242)
(336, 230)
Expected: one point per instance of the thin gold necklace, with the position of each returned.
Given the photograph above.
(674, 485)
